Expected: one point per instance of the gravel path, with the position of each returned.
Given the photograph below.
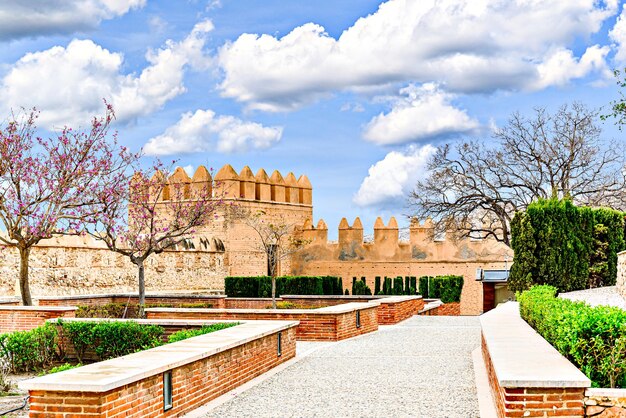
(419, 368)
(599, 296)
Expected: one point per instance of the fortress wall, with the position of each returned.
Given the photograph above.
(61, 269)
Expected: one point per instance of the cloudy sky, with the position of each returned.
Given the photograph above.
(356, 94)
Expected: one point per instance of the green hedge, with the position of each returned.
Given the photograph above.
(183, 334)
(593, 338)
(565, 246)
(32, 350)
(446, 288)
(261, 286)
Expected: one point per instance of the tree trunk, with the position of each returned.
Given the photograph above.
(24, 288)
(273, 291)
(142, 288)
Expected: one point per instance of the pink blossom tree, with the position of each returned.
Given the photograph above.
(50, 186)
(150, 215)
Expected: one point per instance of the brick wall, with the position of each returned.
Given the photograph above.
(99, 300)
(313, 326)
(194, 384)
(532, 402)
(248, 303)
(21, 318)
(396, 311)
(446, 309)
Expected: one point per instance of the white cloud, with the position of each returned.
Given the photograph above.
(390, 180)
(68, 84)
(468, 45)
(618, 35)
(561, 66)
(22, 18)
(420, 113)
(204, 130)
(189, 169)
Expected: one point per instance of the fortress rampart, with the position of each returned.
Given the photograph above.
(387, 255)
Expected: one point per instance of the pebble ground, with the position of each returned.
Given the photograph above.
(421, 367)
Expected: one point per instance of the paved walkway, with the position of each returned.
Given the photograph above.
(419, 368)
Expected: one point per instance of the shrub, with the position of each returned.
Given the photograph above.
(361, 288)
(206, 329)
(397, 286)
(593, 338)
(446, 288)
(261, 287)
(30, 350)
(61, 368)
(377, 285)
(565, 246)
(283, 305)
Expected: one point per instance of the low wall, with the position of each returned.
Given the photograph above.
(621, 274)
(605, 403)
(528, 377)
(202, 368)
(332, 323)
(22, 318)
(175, 299)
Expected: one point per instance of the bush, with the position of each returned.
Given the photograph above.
(446, 288)
(30, 350)
(377, 285)
(61, 368)
(397, 286)
(361, 288)
(568, 247)
(261, 287)
(593, 338)
(206, 329)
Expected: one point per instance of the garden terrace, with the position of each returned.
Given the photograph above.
(201, 369)
(331, 323)
(21, 318)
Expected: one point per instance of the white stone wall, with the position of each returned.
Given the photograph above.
(621, 273)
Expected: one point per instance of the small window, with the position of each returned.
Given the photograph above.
(280, 344)
(358, 319)
(167, 390)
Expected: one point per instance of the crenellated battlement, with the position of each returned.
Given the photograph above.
(243, 186)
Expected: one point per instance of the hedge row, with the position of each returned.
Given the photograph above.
(40, 348)
(446, 288)
(565, 246)
(261, 286)
(593, 338)
(122, 310)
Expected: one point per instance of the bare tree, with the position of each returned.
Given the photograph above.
(475, 189)
(277, 241)
(149, 215)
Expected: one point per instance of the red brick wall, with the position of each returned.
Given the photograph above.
(447, 309)
(532, 402)
(392, 313)
(248, 303)
(313, 327)
(194, 384)
(174, 300)
(25, 319)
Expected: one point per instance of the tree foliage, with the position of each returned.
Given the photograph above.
(476, 187)
(49, 186)
(565, 246)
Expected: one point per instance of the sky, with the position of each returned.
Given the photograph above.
(356, 94)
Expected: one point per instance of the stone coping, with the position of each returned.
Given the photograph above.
(38, 308)
(163, 322)
(431, 304)
(364, 297)
(111, 374)
(126, 295)
(328, 310)
(521, 358)
(606, 393)
(398, 298)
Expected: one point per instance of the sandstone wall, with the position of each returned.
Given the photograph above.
(621, 273)
(73, 265)
(386, 255)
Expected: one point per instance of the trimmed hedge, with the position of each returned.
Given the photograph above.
(446, 288)
(593, 338)
(565, 246)
(32, 350)
(261, 286)
(183, 334)
(122, 310)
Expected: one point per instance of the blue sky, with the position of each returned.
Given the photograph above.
(355, 94)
